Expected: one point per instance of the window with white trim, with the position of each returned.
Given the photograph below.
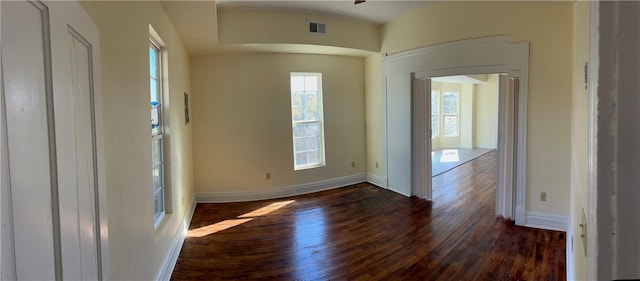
(450, 114)
(307, 120)
(435, 108)
(157, 130)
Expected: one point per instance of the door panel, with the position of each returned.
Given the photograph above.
(421, 138)
(27, 125)
(52, 201)
(77, 177)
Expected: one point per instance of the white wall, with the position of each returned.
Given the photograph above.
(242, 120)
(136, 249)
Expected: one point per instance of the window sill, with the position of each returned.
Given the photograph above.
(306, 167)
(159, 221)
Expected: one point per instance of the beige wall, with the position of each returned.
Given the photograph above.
(136, 249)
(486, 113)
(547, 27)
(242, 120)
(467, 122)
(579, 137)
(242, 25)
(374, 117)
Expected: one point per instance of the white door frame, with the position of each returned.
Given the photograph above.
(474, 56)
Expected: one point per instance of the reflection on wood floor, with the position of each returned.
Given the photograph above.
(362, 232)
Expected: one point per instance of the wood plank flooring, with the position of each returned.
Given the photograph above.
(363, 232)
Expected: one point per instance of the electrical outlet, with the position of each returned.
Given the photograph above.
(353, 164)
(543, 196)
(268, 176)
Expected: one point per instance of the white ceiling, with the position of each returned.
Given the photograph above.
(374, 11)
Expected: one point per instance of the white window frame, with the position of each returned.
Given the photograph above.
(158, 45)
(319, 121)
(456, 114)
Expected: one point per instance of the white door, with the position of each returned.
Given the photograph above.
(421, 138)
(507, 149)
(52, 195)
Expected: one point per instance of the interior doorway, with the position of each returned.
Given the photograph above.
(406, 142)
(464, 119)
(464, 115)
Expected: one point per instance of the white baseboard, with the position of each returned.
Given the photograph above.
(169, 262)
(546, 221)
(520, 217)
(377, 180)
(224, 197)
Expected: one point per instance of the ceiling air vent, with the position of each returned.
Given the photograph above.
(316, 27)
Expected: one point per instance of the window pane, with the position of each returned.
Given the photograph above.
(158, 205)
(297, 99)
(450, 126)
(450, 103)
(152, 62)
(312, 142)
(313, 129)
(297, 113)
(156, 154)
(153, 86)
(311, 113)
(314, 157)
(301, 158)
(310, 83)
(300, 144)
(299, 130)
(311, 99)
(157, 177)
(297, 83)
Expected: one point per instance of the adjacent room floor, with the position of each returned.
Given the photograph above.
(363, 232)
(443, 160)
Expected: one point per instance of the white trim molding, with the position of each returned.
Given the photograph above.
(570, 267)
(376, 180)
(546, 221)
(299, 189)
(169, 262)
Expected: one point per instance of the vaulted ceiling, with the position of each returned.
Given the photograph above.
(197, 25)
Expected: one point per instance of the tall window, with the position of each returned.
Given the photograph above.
(450, 112)
(157, 144)
(434, 113)
(306, 116)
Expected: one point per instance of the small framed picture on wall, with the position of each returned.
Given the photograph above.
(186, 109)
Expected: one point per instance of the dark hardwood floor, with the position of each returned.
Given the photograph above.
(363, 232)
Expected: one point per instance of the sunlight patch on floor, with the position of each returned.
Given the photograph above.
(226, 224)
(449, 155)
(267, 209)
(216, 227)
